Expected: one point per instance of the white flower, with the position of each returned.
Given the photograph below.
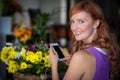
(9, 44)
(19, 53)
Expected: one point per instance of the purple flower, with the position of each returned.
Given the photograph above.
(32, 48)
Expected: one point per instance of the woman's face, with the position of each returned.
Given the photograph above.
(82, 26)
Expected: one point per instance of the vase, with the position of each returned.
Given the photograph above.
(20, 76)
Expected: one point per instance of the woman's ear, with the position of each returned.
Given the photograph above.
(96, 23)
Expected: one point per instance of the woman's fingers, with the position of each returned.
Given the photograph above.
(53, 53)
(65, 52)
(66, 60)
(51, 50)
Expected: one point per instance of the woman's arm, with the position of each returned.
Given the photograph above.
(55, 75)
(80, 67)
(53, 59)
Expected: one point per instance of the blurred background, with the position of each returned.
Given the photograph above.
(45, 20)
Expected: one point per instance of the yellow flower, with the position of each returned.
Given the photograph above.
(45, 58)
(23, 52)
(12, 53)
(17, 32)
(13, 67)
(35, 59)
(25, 61)
(39, 54)
(7, 53)
(23, 65)
(46, 62)
(29, 55)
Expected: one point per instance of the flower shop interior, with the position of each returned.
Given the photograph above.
(28, 23)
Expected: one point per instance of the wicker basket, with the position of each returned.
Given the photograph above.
(19, 76)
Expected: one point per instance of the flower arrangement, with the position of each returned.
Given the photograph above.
(22, 33)
(32, 60)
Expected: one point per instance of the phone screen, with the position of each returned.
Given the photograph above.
(57, 49)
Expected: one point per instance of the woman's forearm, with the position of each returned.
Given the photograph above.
(55, 75)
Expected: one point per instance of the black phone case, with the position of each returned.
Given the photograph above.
(57, 49)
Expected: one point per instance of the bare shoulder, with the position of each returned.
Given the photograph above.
(83, 55)
(82, 65)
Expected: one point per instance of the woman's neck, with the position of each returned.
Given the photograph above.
(83, 45)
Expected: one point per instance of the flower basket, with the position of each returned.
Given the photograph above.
(20, 76)
(22, 61)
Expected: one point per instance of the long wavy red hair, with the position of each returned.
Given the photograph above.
(105, 39)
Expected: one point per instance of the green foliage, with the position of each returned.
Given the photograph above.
(39, 26)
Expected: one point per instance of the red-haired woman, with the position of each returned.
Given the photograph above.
(95, 51)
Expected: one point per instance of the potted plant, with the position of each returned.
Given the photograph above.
(27, 62)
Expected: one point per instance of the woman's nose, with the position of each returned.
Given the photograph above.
(74, 26)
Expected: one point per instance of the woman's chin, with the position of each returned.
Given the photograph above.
(77, 39)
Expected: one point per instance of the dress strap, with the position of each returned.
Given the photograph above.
(101, 50)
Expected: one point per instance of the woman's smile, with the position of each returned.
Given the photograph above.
(82, 26)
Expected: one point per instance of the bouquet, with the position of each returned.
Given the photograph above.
(23, 34)
(31, 60)
(21, 31)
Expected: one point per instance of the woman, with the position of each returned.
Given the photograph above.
(95, 52)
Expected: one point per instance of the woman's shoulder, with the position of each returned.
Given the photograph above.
(82, 62)
(83, 56)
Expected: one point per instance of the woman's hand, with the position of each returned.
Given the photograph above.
(65, 52)
(53, 57)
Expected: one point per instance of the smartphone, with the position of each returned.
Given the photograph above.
(58, 50)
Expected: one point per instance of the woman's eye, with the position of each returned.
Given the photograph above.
(81, 21)
(71, 21)
(77, 21)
